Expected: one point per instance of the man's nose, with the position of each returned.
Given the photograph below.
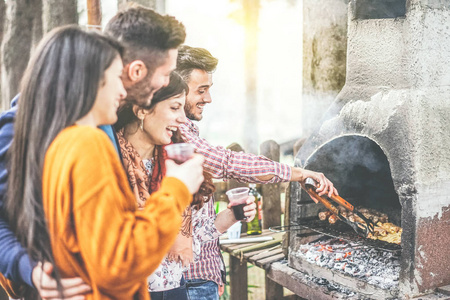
(207, 98)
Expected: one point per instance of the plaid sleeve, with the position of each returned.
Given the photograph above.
(226, 164)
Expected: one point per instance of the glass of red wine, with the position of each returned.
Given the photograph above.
(238, 199)
(179, 152)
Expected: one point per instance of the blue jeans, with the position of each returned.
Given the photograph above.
(178, 293)
(199, 289)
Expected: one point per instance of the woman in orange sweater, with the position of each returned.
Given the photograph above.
(69, 200)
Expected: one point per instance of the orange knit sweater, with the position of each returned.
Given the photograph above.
(96, 231)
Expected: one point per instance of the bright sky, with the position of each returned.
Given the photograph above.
(213, 25)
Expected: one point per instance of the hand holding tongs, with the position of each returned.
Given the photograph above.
(360, 228)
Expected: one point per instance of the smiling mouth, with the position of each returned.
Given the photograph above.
(201, 106)
(172, 128)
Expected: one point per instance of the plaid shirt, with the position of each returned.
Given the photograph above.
(226, 164)
(208, 264)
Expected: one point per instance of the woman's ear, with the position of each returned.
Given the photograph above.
(136, 70)
(138, 112)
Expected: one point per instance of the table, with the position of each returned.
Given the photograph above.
(260, 254)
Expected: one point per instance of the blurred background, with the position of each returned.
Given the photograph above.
(257, 85)
(255, 98)
(281, 62)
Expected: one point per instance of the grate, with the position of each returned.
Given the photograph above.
(344, 232)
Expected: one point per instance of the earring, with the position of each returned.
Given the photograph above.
(142, 124)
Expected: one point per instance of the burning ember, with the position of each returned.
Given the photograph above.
(376, 267)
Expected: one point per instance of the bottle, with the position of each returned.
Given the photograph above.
(255, 226)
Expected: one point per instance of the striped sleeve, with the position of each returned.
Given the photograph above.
(226, 164)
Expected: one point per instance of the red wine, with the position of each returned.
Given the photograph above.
(238, 211)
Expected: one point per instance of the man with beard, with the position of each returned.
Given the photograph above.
(204, 277)
(151, 41)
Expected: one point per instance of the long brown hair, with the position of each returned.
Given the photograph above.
(59, 87)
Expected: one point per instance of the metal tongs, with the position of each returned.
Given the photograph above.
(360, 228)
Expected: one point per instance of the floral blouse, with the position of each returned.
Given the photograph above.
(168, 275)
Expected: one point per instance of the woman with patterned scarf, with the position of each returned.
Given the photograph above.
(142, 134)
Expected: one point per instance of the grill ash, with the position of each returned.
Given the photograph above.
(376, 267)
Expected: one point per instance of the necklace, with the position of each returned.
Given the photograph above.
(149, 165)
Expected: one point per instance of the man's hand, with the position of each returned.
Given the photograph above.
(324, 186)
(221, 290)
(249, 209)
(226, 218)
(74, 288)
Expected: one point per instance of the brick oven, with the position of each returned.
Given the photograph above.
(385, 144)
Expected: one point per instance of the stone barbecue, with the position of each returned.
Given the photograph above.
(385, 144)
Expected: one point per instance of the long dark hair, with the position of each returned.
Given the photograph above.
(59, 87)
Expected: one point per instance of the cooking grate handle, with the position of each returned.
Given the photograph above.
(282, 228)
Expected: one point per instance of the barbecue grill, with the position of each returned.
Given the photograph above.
(384, 144)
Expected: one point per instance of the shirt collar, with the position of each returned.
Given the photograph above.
(192, 127)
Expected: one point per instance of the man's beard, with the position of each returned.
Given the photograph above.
(188, 111)
(141, 93)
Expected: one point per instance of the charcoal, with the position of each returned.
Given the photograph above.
(374, 266)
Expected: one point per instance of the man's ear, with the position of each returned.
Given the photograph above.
(136, 70)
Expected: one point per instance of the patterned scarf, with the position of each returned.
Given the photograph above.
(135, 169)
(142, 186)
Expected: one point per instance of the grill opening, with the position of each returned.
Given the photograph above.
(360, 171)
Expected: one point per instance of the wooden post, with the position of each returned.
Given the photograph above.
(238, 279)
(287, 221)
(94, 14)
(274, 291)
(271, 206)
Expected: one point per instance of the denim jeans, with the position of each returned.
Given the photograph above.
(199, 289)
(178, 293)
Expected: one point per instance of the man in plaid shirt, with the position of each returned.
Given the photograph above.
(195, 65)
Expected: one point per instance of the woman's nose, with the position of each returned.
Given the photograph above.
(182, 118)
